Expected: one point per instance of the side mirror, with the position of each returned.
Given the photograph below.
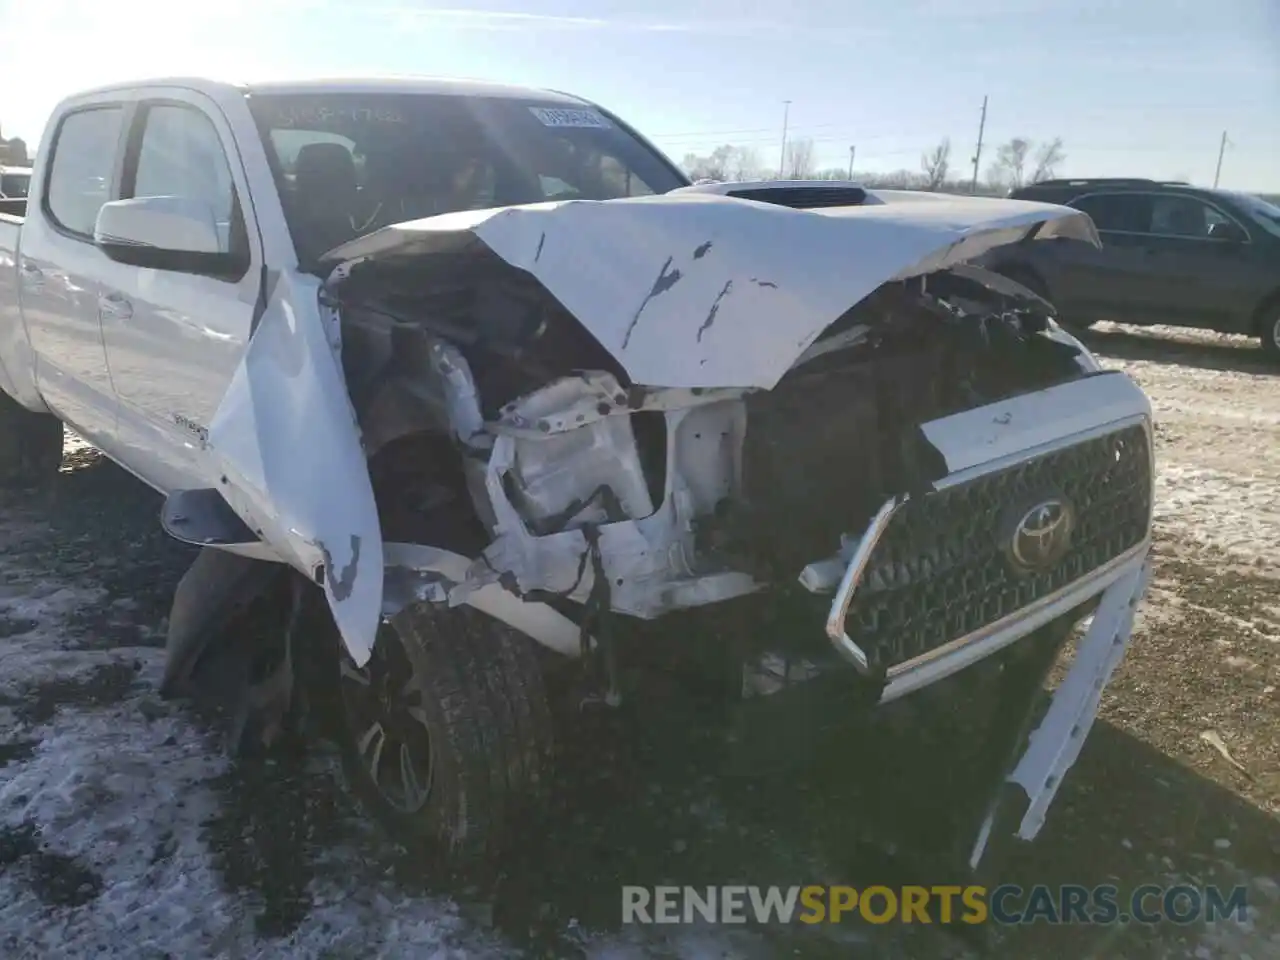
(1228, 233)
(163, 233)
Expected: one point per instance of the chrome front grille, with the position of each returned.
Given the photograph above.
(941, 568)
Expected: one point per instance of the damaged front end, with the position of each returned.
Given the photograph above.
(582, 414)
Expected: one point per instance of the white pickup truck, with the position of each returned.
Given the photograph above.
(462, 379)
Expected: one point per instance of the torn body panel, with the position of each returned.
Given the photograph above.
(286, 448)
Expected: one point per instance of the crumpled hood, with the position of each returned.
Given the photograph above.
(696, 289)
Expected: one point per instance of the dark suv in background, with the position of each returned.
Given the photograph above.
(1171, 253)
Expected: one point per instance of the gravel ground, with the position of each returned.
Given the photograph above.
(124, 833)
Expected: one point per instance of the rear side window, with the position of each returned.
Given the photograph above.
(1181, 216)
(1117, 212)
(84, 153)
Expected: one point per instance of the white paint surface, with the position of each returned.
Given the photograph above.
(693, 289)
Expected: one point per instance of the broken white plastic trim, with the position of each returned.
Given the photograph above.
(1054, 746)
(1056, 743)
(538, 621)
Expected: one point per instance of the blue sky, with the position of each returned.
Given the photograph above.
(1134, 87)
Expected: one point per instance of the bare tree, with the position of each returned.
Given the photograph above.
(745, 164)
(725, 162)
(1010, 166)
(704, 168)
(800, 163)
(1049, 156)
(1020, 156)
(936, 164)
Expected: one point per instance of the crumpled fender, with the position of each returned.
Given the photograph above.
(285, 447)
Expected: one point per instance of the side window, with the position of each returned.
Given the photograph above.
(1176, 216)
(1117, 212)
(84, 153)
(180, 155)
(594, 175)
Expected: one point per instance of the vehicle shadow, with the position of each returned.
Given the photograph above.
(1131, 815)
(653, 809)
(1138, 343)
(106, 525)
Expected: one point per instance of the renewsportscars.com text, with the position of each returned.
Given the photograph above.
(1007, 904)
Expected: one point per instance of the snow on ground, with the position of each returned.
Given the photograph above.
(125, 833)
(105, 800)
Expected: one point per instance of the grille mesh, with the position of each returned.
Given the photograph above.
(940, 571)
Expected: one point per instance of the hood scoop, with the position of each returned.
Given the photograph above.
(804, 196)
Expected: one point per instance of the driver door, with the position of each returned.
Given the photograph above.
(174, 340)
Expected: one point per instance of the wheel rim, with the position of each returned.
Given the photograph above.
(385, 718)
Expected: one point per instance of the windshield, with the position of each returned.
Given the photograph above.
(1266, 215)
(14, 184)
(348, 164)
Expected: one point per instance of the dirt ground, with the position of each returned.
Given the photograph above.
(124, 833)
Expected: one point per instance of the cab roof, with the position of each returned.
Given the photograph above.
(439, 86)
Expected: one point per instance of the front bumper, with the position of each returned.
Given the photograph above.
(1089, 439)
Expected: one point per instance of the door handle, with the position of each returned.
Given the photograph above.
(30, 272)
(113, 306)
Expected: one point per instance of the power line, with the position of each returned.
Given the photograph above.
(921, 145)
(1126, 108)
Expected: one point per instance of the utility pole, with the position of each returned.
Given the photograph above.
(1222, 148)
(782, 160)
(977, 154)
(852, 151)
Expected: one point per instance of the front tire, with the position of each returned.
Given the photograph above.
(445, 734)
(30, 445)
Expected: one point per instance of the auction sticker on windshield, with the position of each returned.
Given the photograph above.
(569, 117)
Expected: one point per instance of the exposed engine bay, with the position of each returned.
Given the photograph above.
(578, 485)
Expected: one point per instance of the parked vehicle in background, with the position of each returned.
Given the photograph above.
(463, 381)
(14, 182)
(1171, 253)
